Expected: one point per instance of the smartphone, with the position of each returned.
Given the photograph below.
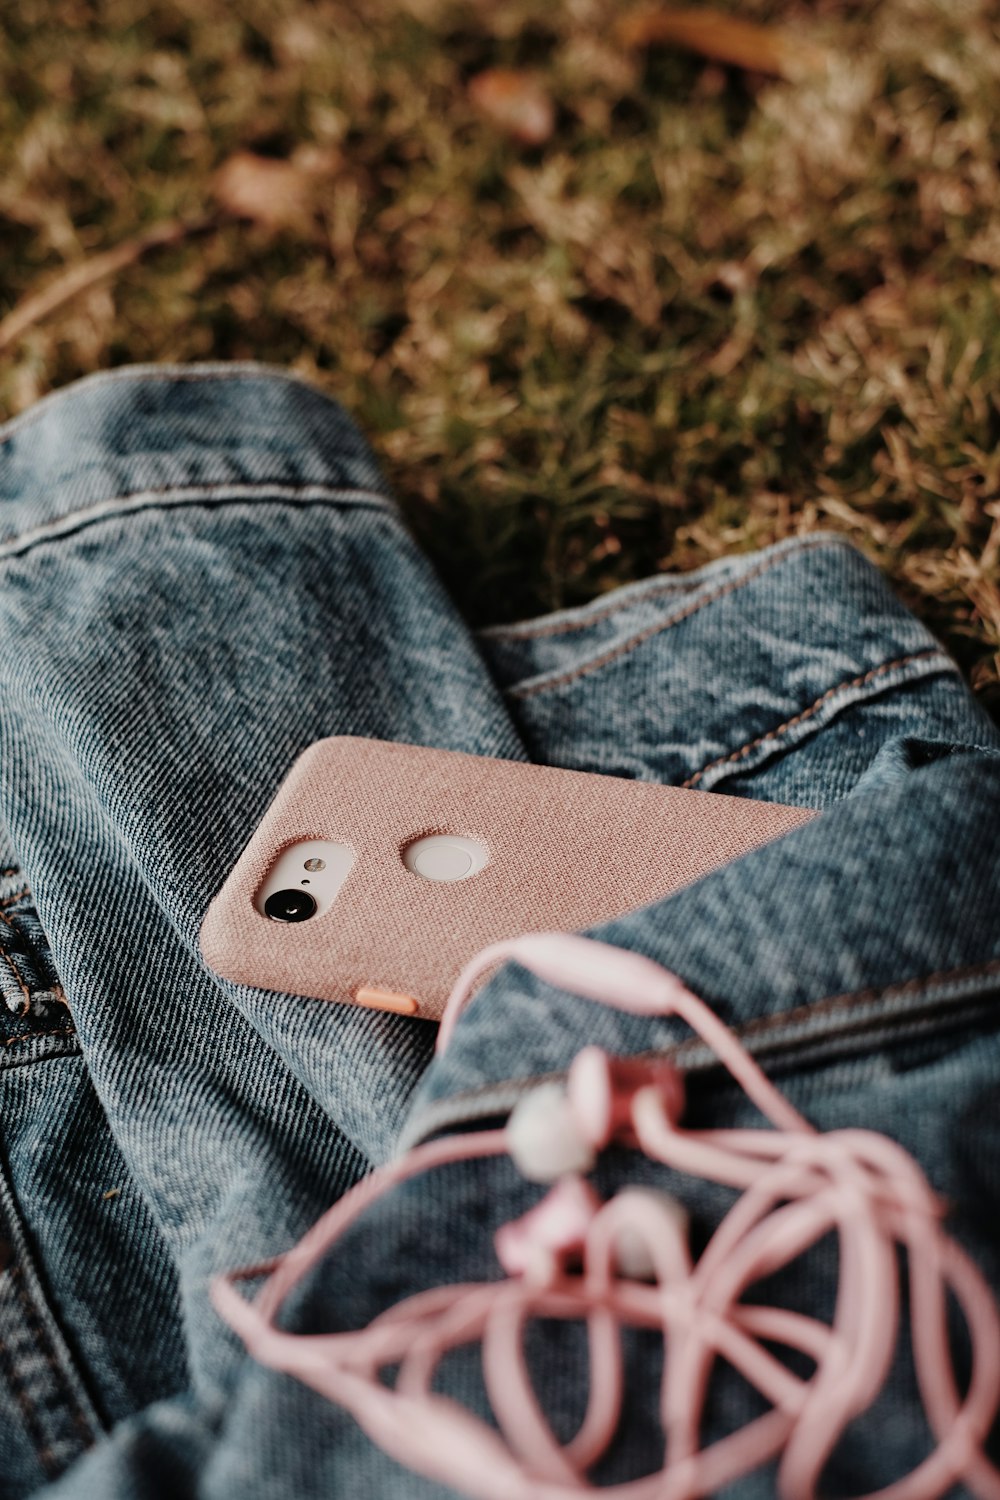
(380, 868)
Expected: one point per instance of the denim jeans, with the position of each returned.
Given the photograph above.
(201, 573)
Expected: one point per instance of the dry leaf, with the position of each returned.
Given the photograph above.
(515, 103)
(275, 194)
(79, 278)
(764, 49)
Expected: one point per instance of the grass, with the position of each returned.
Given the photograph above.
(714, 310)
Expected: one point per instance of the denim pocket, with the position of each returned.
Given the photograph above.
(713, 677)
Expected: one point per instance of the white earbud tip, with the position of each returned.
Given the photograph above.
(544, 1139)
(633, 1257)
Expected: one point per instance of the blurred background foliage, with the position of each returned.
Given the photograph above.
(688, 309)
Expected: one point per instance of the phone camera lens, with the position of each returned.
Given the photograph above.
(290, 906)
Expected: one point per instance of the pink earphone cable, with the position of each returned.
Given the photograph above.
(626, 1263)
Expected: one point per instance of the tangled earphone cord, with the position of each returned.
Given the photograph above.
(626, 1263)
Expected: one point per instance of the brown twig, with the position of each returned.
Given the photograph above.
(75, 279)
(728, 39)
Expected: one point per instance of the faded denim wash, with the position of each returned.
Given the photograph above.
(202, 572)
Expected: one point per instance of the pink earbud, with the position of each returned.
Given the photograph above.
(601, 1090)
(626, 1263)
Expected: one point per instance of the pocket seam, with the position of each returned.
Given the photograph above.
(532, 689)
(450, 1110)
(175, 496)
(927, 654)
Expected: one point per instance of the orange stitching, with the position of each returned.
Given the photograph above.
(207, 494)
(66, 1031)
(12, 967)
(55, 989)
(841, 687)
(674, 619)
(663, 585)
(527, 632)
(866, 996)
(17, 896)
(747, 1029)
(5, 958)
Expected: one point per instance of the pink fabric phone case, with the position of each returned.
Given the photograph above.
(567, 850)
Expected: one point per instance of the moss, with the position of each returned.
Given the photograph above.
(714, 310)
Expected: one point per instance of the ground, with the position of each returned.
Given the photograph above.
(713, 309)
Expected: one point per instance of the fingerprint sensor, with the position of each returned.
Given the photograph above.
(445, 856)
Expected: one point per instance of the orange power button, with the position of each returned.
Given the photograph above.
(377, 999)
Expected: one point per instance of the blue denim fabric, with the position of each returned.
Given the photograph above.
(201, 573)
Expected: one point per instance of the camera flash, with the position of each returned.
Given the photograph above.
(314, 864)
